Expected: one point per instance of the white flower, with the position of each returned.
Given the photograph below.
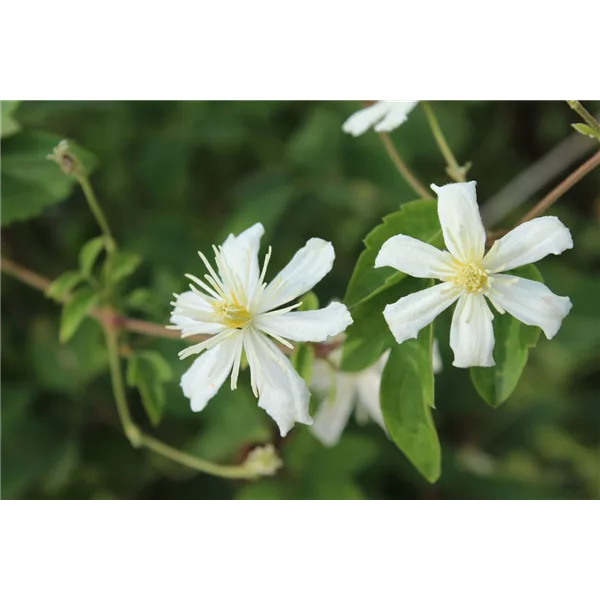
(385, 116)
(345, 392)
(239, 310)
(469, 277)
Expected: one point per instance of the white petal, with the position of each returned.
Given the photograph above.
(306, 326)
(333, 412)
(437, 357)
(471, 333)
(308, 266)
(527, 244)
(416, 258)
(396, 115)
(282, 392)
(413, 312)
(460, 220)
(191, 310)
(241, 253)
(208, 372)
(369, 384)
(360, 121)
(531, 302)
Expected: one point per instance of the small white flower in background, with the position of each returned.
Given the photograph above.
(470, 277)
(241, 311)
(384, 116)
(344, 392)
(263, 460)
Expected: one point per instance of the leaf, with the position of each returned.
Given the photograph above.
(62, 286)
(74, 311)
(417, 219)
(8, 125)
(511, 350)
(407, 393)
(309, 301)
(121, 265)
(30, 181)
(89, 254)
(303, 358)
(148, 371)
(585, 130)
(369, 336)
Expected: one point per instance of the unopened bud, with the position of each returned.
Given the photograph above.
(66, 159)
(263, 460)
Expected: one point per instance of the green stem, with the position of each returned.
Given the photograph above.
(131, 430)
(90, 196)
(453, 169)
(585, 115)
(139, 439)
(193, 462)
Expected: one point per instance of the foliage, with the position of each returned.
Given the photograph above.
(176, 177)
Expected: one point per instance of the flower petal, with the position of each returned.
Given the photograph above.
(191, 310)
(396, 115)
(334, 411)
(308, 266)
(531, 302)
(368, 384)
(416, 258)
(360, 121)
(437, 357)
(208, 372)
(460, 220)
(527, 244)
(282, 392)
(241, 253)
(413, 312)
(471, 332)
(306, 326)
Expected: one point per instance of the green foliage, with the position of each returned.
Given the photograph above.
(584, 130)
(511, 350)
(62, 286)
(148, 371)
(8, 124)
(406, 401)
(303, 358)
(89, 254)
(31, 182)
(74, 312)
(120, 265)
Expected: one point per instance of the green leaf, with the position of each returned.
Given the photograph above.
(74, 311)
(417, 219)
(369, 336)
(303, 358)
(585, 130)
(148, 371)
(62, 286)
(407, 393)
(30, 181)
(121, 265)
(89, 254)
(511, 350)
(8, 125)
(309, 302)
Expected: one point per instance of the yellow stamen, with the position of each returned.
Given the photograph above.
(472, 277)
(232, 314)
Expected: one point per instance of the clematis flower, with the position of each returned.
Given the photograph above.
(469, 277)
(242, 313)
(344, 393)
(385, 116)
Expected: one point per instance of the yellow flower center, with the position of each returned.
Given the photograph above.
(232, 314)
(472, 277)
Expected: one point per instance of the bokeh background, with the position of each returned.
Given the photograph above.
(176, 177)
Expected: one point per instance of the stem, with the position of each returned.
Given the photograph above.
(585, 115)
(193, 462)
(129, 427)
(453, 169)
(90, 196)
(414, 183)
(561, 189)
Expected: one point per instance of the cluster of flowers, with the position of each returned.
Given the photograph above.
(243, 314)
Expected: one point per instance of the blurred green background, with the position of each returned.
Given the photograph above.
(176, 177)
